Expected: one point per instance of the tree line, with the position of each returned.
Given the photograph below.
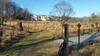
(10, 11)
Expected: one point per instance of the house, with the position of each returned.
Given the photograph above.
(41, 17)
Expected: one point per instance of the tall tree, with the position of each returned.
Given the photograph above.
(62, 10)
(3, 10)
(11, 10)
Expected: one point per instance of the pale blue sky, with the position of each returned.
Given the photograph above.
(81, 7)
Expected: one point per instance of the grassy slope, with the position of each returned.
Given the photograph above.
(41, 48)
(34, 38)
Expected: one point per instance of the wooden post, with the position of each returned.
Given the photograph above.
(79, 25)
(92, 27)
(64, 46)
(20, 26)
(66, 38)
(96, 24)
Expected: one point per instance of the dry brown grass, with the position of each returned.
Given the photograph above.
(53, 27)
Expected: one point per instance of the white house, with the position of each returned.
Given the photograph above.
(41, 17)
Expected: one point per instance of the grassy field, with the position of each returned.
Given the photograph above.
(53, 27)
(38, 44)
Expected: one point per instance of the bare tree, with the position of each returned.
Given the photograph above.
(11, 10)
(3, 10)
(62, 10)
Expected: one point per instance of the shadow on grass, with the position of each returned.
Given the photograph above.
(28, 45)
(10, 43)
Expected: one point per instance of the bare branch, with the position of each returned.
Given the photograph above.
(62, 9)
